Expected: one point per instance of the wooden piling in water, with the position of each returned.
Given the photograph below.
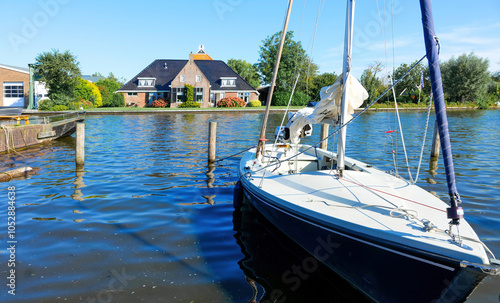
(80, 144)
(324, 133)
(436, 144)
(212, 138)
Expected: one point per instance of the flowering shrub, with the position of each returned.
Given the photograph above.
(88, 91)
(189, 104)
(254, 103)
(159, 103)
(231, 102)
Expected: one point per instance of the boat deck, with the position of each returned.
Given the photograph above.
(367, 201)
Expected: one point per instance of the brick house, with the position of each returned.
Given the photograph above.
(165, 79)
(14, 86)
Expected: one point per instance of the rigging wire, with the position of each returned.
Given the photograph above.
(287, 108)
(320, 9)
(354, 117)
(394, 148)
(425, 135)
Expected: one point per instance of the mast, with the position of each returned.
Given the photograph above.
(346, 70)
(262, 136)
(454, 212)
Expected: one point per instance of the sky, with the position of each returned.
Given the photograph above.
(123, 37)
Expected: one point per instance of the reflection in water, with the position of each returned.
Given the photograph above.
(281, 267)
(140, 168)
(77, 195)
(210, 175)
(433, 166)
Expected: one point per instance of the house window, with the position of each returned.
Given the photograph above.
(183, 78)
(179, 94)
(146, 82)
(244, 96)
(13, 90)
(198, 78)
(228, 82)
(198, 94)
(132, 94)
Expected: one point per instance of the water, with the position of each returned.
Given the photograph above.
(140, 224)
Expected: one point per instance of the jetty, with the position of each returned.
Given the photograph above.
(35, 130)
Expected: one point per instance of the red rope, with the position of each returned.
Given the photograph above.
(263, 139)
(394, 196)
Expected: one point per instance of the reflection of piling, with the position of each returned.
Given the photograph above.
(212, 137)
(433, 165)
(80, 144)
(210, 175)
(324, 134)
(77, 195)
(436, 145)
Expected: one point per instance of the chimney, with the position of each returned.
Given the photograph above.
(191, 57)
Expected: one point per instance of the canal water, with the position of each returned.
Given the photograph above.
(144, 222)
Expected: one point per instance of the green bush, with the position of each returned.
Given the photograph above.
(254, 103)
(189, 92)
(282, 98)
(45, 104)
(189, 104)
(117, 100)
(88, 91)
(58, 108)
(108, 86)
(231, 102)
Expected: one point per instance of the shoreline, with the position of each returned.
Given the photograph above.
(212, 110)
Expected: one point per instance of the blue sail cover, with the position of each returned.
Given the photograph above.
(437, 91)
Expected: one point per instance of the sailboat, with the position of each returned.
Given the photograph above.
(386, 236)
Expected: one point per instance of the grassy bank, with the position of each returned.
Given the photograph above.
(132, 110)
(146, 109)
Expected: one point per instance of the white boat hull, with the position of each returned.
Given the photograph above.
(347, 224)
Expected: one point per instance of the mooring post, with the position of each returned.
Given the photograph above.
(80, 144)
(436, 144)
(324, 134)
(212, 138)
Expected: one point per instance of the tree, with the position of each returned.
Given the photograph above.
(59, 71)
(294, 60)
(496, 76)
(407, 90)
(246, 70)
(88, 91)
(318, 82)
(371, 82)
(108, 86)
(465, 78)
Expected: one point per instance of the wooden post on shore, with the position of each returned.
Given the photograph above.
(436, 144)
(80, 144)
(212, 138)
(324, 133)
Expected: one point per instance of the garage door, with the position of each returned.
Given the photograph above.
(13, 94)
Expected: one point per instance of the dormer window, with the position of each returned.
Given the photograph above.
(147, 82)
(228, 81)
